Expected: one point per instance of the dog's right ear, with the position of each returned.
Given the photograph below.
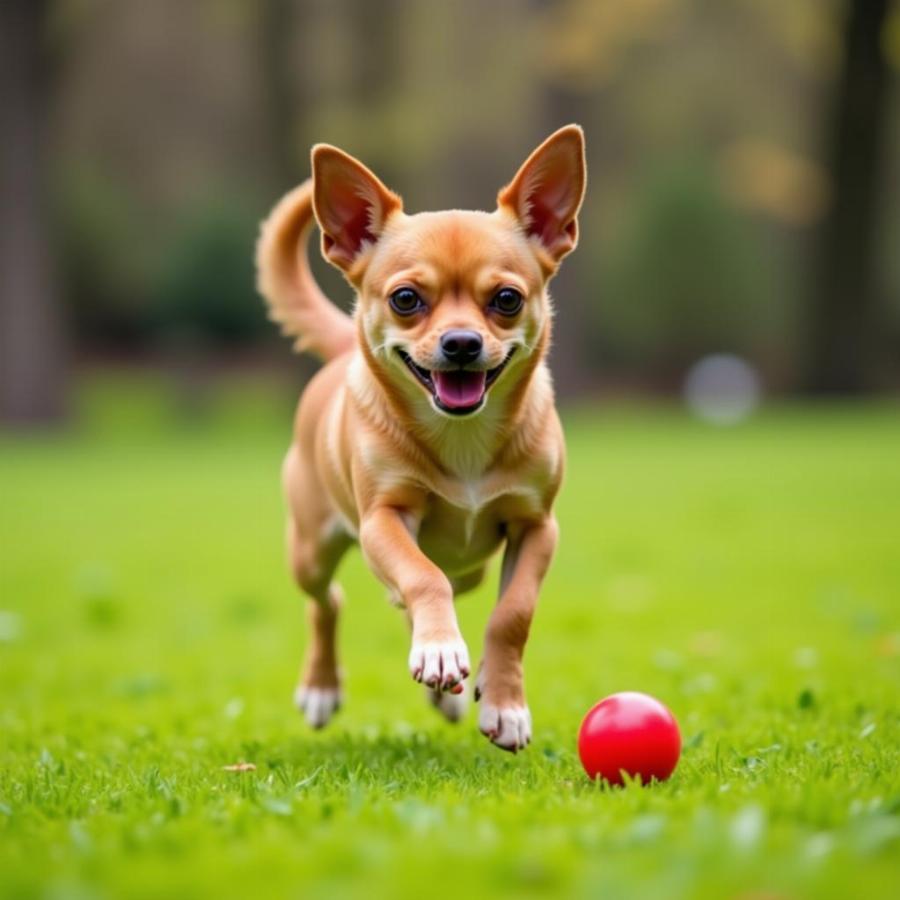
(350, 203)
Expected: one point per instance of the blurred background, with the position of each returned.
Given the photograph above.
(744, 164)
(739, 266)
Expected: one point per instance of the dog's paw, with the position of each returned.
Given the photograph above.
(441, 665)
(318, 704)
(451, 705)
(507, 727)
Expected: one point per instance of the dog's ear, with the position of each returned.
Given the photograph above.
(350, 203)
(546, 193)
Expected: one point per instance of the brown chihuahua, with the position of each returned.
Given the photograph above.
(430, 436)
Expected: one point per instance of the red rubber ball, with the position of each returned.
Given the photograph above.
(629, 732)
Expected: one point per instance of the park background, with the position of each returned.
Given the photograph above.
(744, 199)
(744, 160)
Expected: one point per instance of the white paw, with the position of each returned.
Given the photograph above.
(318, 704)
(440, 665)
(508, 727)
(452, 706)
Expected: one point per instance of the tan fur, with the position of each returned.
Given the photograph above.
(284, 279)
(430, 497)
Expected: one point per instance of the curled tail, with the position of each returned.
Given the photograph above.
(284, 278)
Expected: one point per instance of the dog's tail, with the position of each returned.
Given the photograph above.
(284, 278)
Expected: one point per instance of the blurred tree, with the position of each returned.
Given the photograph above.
(684, 277)
(204, 296)
(375, 34)
(279, 101)
(844, 306)
(573, 370)
(560, 104)
(32, 383)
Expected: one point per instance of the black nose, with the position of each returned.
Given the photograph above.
(461, 346)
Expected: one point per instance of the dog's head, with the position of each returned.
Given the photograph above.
(452, 305)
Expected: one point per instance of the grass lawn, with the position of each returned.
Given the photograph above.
(150, 635)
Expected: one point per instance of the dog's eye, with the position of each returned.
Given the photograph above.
(507, 301)
(405, 301)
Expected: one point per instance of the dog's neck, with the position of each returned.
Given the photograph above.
(463, 447)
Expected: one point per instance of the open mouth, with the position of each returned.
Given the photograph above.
(456, 391)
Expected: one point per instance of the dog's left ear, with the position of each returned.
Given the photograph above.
(546, 193)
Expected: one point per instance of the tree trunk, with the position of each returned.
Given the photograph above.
(376, 38)
(844, 303)
(32, 368)
(280, 100)
(570, 362)
(573, 370)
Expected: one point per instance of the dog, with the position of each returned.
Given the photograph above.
(430, 436)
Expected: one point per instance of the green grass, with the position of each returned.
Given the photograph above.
(748, 577)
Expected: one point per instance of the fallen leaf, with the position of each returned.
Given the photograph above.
(240, 767)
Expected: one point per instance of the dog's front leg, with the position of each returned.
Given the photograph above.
(438, 657)
(504, 715)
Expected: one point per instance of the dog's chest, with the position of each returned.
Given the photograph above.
(465, 524)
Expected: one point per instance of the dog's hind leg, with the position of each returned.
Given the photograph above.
(462, 584)
(316, 541)
(318, 695)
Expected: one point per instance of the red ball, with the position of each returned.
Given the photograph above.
(629, 732)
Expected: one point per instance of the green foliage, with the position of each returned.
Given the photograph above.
(684, 276)
(150, 636)
(123, 282)
(106, 256)
(205, 289)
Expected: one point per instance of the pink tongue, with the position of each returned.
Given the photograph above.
(459, 389)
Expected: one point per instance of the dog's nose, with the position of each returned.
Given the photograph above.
(461, 347)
